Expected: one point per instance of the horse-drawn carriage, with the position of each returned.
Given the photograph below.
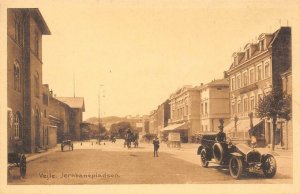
(17, 158)
(131, 138)
(68, 143)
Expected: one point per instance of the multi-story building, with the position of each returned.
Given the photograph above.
(153, 122)
(214, 104)
(184, 113)
(163, 115)
(25, 28)
(254, 72)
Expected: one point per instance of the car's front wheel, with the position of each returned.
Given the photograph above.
(203, 158)
(269, 166)
(235, 167)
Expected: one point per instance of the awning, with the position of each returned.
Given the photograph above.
(242, 125)
(174, 127)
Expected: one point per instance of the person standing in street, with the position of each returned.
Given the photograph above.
(156, 146)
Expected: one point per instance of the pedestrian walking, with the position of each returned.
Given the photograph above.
(156, 146)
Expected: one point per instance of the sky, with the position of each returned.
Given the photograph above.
(136, 53)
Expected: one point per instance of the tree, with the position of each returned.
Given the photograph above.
(120, 129)
(274, 106)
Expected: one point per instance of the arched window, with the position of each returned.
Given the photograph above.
(19, 30)
(36, 84)
(18, 125)
(17, 77)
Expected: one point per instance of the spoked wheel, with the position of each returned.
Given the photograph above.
(203, 158)
(269, 166)
(22, 165)
(235, 167)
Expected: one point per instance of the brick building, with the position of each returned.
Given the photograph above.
(26, 120)
(72, 114)
(214, 104)
(255, 72)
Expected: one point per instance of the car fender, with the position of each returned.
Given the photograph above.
(199, 149)
(266, 154)
(236, 154)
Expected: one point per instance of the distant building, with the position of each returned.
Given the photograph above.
(214, 104)
(153, 122)
(59, 117)
(75, 114)
(184, 113)
(26, 119)
(254, 73)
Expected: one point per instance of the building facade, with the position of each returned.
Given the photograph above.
(74, 114)
(153, 122)
(286, 136)
(184, 113)
(214, 104)
(163, 115)
(26, 122)
(254, 73)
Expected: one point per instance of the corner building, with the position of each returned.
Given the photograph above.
(254, 73)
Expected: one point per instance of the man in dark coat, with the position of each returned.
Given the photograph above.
(156, 146)
(221, 136)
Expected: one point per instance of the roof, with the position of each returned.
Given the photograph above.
(73, 102)
(273, 36)
(40, 21)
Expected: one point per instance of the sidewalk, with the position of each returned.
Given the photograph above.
(34, 156)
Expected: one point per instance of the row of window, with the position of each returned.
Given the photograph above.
(180, 112)
(19, 34)
(251, 76)
(245, 105)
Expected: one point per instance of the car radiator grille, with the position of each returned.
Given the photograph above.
(253, 157)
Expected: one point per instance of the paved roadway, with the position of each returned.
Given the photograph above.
(114, 164)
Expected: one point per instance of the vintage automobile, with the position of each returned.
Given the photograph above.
(239, 158)
(68, 143)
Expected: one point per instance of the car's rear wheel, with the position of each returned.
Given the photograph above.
(203, 158)
(235, 167)
(269, 166)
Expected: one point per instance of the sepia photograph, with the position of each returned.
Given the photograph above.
(149, 95)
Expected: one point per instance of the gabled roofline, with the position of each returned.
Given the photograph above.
(36, 14)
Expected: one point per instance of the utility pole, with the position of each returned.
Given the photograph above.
(99, 113)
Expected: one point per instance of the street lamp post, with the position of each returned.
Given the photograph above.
(99, 113)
